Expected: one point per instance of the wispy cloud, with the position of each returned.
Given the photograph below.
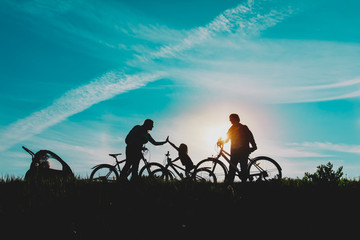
(245, 18)
(273, 70)
(332, 147)
(248, 18)
(327, 92)
(349, 83)
(74, 101)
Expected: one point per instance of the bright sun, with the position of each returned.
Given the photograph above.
(214, 132)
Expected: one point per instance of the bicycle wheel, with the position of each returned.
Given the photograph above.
(264, 169)
(204, 175)
(216, 167)
(104, 173)
(153, 170)
(169, 175)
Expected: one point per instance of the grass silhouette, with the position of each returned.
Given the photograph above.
(80, 209)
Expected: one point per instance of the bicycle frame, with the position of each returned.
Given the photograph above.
(117, 164)
(171, 163)
(226, 156)
(173, 167)
(176, 168)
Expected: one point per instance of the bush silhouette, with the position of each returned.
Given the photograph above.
(324, 174)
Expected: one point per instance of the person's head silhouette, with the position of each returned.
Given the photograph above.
(234, 118)
(148, 124)
(183, 148)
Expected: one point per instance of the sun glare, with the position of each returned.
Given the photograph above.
(214, 132)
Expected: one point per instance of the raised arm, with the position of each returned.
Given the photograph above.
(173, 145)
(157, 143)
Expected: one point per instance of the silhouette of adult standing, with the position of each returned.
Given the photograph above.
(135, 140)
(240, 136)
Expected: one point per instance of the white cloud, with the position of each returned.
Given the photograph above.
(74, 101)
(113, 82)
(272, 70)
(331, 147)
(298, 158)
(349, 83)
(248, 18)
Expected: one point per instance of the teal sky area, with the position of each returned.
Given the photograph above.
(76, 76)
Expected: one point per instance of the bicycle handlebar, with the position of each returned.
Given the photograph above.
(29, 151)
(220, 143)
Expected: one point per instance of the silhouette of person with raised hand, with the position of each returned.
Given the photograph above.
(135, 141)
(183, 156)
(241, 137)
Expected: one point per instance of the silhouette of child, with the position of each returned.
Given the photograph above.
(184, 157)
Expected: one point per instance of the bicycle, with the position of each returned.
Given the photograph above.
(174, 171)
(260, 168)
(110, 173)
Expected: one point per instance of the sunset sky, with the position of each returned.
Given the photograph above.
(77, 75)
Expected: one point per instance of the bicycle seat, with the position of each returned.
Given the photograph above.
(114, 155)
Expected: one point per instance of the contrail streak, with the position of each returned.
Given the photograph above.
(245, 18)
(72, 102)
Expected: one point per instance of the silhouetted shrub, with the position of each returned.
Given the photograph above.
(324, 174)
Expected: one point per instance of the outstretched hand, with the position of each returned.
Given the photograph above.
(220, 142)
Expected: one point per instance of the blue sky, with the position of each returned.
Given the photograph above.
(76, 76)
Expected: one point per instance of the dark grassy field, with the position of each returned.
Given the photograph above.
(81, 209)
